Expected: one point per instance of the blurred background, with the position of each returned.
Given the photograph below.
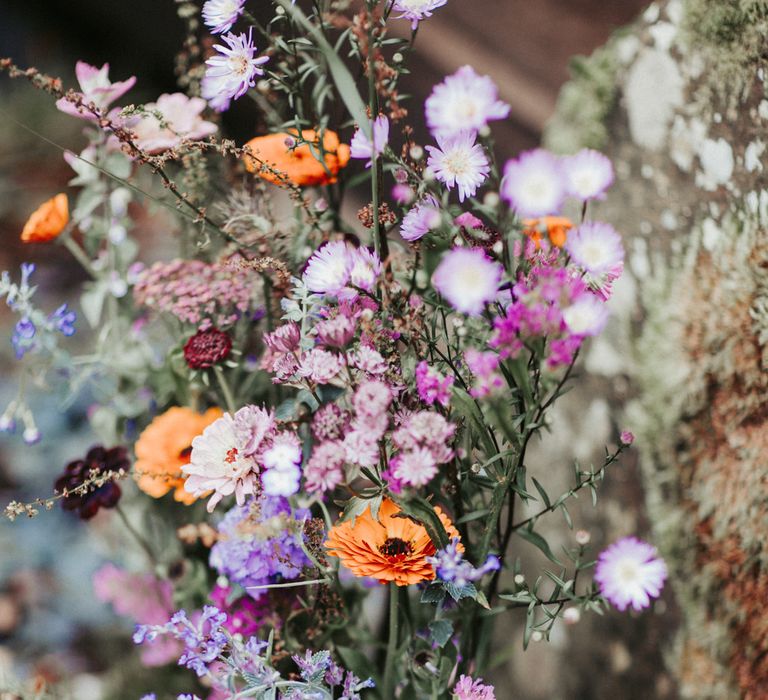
(50, 625)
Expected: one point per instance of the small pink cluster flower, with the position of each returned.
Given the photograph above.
(485, 368)
(468, 688)
(199, 293)
(552, 303)
(371, 403)
(423, 443)
(432, 386)
(243, 455)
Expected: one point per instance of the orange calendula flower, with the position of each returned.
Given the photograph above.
(47, 221)
(164, 448)
(297, 165)
(390, 549)
(556, 227)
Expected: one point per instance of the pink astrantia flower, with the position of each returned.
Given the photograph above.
(319, 366)
(421, 219)
(414, 468)
(416, 10)
(433, 386)
(464, 101)
(459, 162)
(181, 120)
(596, 248)
(220, 15)
(588, 174)
(485, 367)
(630, 572)
(324, 470)
(368, 360)
(230, 74)
(218, 463)
(586, 316)
(96, 88)
(468, 279)
(362, 147)
(534, 184)
(468, 689)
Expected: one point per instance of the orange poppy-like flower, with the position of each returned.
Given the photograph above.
(47, 221)
(556, 227)
(297, 165)
(164, 448)
(390, 549)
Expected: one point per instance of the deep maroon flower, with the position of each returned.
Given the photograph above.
(99, 462)
(207, 348)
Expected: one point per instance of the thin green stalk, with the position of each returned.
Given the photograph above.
(229, 399)
(78, 253)
(136, 535)
(394, 629)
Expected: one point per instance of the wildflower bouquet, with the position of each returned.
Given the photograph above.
(352, 400)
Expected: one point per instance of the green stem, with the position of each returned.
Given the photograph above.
(229, 399)
(394, 621)
(78, 254)
(136, 535)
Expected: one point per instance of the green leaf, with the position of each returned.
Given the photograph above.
(345, 83)
(441, 631)
(423, 512)
(538, 541)
(92, 303)
(434, 593)
(474, 515)
(542, 492)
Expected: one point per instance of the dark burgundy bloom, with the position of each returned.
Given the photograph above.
(98, 462)
(206, 348)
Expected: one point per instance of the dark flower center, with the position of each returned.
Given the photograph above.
(395, 547)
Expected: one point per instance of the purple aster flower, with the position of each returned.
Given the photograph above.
(630, 572)
(586, 316)
(534, 184)
(329, 268)
(588, 174)
(63, 320)
(464, 101)
(421, 219)
(458, 161)
(361, 146)
(230, 74)
(220, 15)
(365, 270)
(468, 279)
(416, 10)
(596, 248)
(96, 88)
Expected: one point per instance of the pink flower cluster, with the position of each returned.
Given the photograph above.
(552, 303)
(422, 440)
(468, 688)
(244, 454)
(485, 368)
(432, 386)
(199, 293)
(144, 599)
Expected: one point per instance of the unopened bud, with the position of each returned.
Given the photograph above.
(583, 537)
(571, 616)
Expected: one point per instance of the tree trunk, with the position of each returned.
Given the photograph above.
(679, 103)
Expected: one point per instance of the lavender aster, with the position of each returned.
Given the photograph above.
(588, 174)
(230, 74)
(362, 147)
(451, 567)
(220, 15)
(423, 217)
(459, 162)
(630, 572)
(534, 184)
(416, 10)
(464, 101)
(468, 279)
(596, 247)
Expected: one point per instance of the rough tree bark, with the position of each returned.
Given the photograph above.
(679, 102)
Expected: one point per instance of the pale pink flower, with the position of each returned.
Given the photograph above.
(468, 688)
(320, 366)
(421, 219)
(459, 162)
(414, 468)
(416, 10)
(630, 573)
(362, 147)
(588, 174)
(329, 268)
(96, 88)
(181, 121)
(368, 360)
(586, 316)
(534, 184)
(468, 279)
(596, 247)
(464, 101)
(218, 463)
(220, 15)
(372, 398)
(324, 470)
(361, 447)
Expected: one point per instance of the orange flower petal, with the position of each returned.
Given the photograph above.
(47, 221)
